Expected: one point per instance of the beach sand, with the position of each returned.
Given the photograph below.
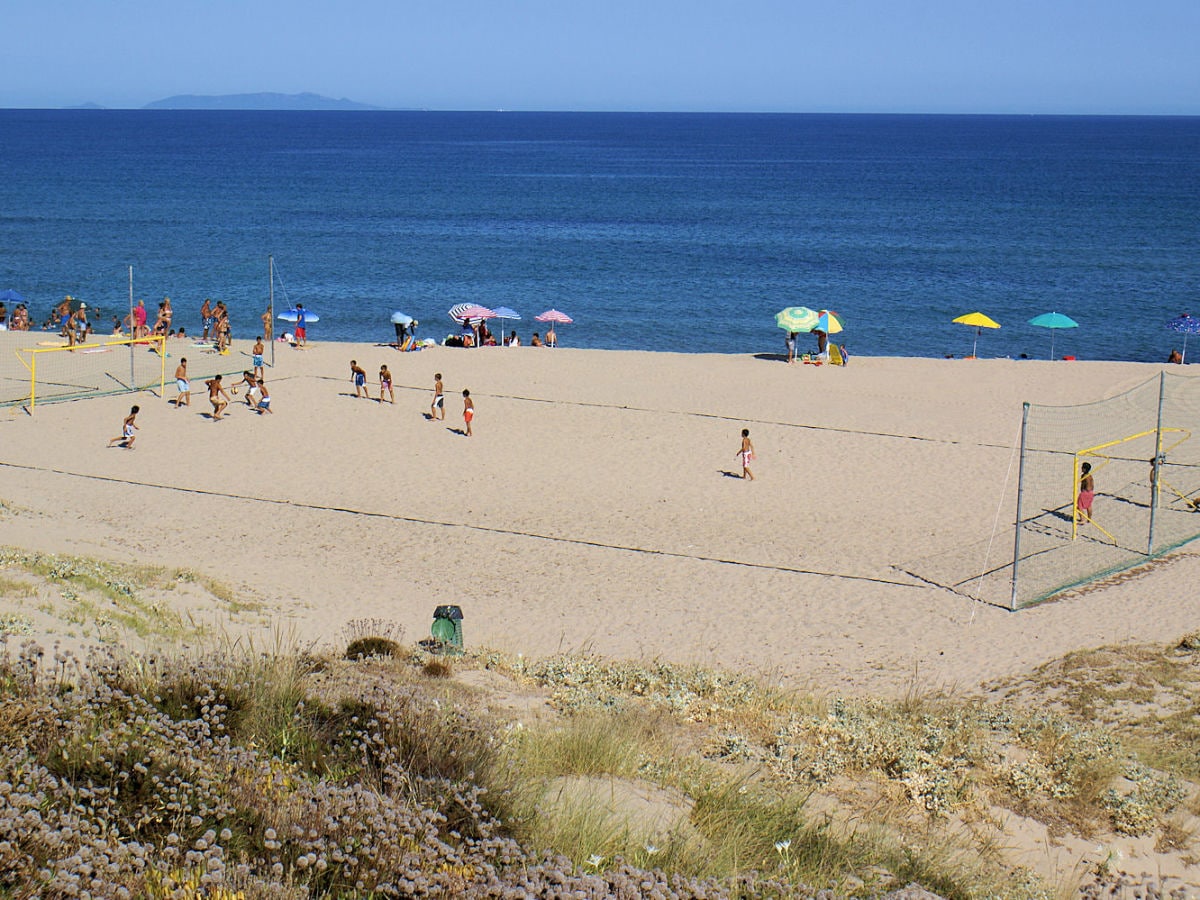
(597, 507)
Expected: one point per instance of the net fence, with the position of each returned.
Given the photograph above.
(33, 375)
(1142, 448)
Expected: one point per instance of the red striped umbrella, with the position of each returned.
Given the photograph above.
(553, 315)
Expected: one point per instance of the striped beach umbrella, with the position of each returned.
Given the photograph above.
(553, 315)
(829, 322)
(470, 312)
(797, 318)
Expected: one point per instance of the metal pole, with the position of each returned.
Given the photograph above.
(1012, 603)
(271, 303)
(132, 326)
(1156, 463)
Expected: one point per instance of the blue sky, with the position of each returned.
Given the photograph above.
(987, 56)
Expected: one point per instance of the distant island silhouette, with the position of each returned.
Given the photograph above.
(265, 100)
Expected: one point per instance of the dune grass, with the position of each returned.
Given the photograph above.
(282, 770)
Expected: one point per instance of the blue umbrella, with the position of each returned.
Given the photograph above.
(502, 313)
(1185, 325)
(291, 315)
(1053, 321)
(11, 296)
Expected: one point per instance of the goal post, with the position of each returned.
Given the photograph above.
(95, 369)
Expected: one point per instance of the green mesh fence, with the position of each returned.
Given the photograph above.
(1134, 442)
(1143, 447)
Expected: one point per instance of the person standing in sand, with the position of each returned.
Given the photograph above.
(385, 384)
(1087, 493)
(439, 400)
(264, 400)
(215, 393)
(301, 325)
(468, 410)
(359, 376)
(206, 318)
(747, 454)
(268, 327)
(256, 357)
(184, 397)
(128, 427)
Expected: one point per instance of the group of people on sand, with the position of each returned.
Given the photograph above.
(258, 398)
(437, 406)
(17, 320)
(478, 335)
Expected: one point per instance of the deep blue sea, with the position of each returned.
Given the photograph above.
(653, 231)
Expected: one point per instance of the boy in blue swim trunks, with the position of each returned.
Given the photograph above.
(359, 376)
(257, 357)
(264, 401)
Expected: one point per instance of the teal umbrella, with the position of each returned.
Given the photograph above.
(1053, 321)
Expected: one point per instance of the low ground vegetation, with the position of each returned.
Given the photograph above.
(389, 771)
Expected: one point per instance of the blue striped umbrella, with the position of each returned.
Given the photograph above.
(503, 313)
(1185, 325)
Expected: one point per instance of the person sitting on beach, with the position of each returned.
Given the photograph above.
(536, 342)
(3, 317)
(1176, 358)
(513, 340)
(551, 337)
(822, 344)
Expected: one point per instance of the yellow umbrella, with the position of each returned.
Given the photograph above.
(979, 322)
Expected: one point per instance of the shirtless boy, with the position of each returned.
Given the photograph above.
(257, 357)
(251, 383)
(439, 400)
(215, 393)
(264, 401)
(184, 397)
(385, 384)
(468, 410)
(128, 427)
(359, 376)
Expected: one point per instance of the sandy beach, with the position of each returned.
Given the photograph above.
(598, 505)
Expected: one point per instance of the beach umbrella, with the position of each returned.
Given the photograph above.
(467, 312)
(1053, 321)
(1185, 325)
(292, 315)
(828, 322)
(978, 321)
(797, 318)
(504, 313)
(554, 316)
(399, 318)
(11, 296)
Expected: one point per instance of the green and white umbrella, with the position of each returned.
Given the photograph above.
(797, 318)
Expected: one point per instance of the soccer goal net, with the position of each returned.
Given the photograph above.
(1137, 454)
(50, 374)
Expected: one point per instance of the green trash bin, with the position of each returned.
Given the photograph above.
(447, 628)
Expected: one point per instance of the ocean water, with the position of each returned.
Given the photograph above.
(653, 231)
